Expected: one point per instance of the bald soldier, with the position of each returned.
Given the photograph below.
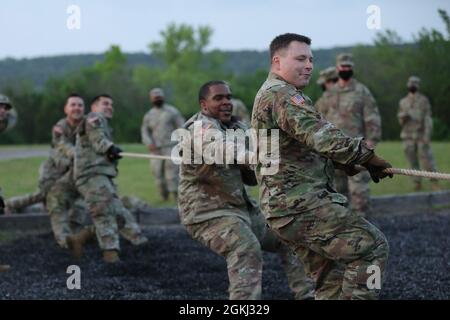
(414, 116)
(216, 209)
(351, 107)
(156, 130)
(8, 119)
(338, 247)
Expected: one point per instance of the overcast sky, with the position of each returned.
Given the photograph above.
(39, 28)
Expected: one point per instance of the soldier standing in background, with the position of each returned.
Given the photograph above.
(8, 119)
(350, 106)
(217, 211)
(157, 127)
(414, 116)
(327, 78)
(336, 246)
(240, 111)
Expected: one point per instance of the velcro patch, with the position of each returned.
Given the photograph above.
(93, 120)
(298, 100)
(57, 130)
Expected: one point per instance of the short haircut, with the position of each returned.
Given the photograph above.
(284, 40)
(103, 95)
(204, 89)
(73, 95)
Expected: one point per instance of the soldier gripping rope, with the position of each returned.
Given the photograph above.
(299, 204)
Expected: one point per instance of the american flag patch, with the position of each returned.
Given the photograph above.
(298, 100)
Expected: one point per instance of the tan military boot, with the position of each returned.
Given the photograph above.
(111, 256)
(435, 186)
(4, 267)
(417, 186)
(76, 242)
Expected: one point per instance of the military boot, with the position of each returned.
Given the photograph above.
(4, 267)
(111, 256)
(76, 242)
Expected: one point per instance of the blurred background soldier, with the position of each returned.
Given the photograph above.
(240, 111)
(414, 116)
(8, 119)
(351, 107)
(157, 127)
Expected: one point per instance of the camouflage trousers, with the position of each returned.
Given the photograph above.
(337, 248)
(165, 173)
(67, 213)
(357, 190)
(419, 155)
(108, 213)
(240, 244)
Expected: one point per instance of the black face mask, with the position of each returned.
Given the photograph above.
(412, 89)
(158, 103)
(346, 74)
(323, 87)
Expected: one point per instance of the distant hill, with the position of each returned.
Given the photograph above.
(39, 70)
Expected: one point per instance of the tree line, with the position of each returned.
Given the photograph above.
(181, 64)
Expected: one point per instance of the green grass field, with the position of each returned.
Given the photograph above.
(20, 176)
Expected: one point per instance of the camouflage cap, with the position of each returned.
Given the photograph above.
(5, 100)
(344, 59)
(156, 92)
(413, 80)
(321, 80)
(329, 73)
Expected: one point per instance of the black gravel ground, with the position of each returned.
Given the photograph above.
(172, 266)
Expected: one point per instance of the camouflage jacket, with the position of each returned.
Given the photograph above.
(352, 109)
(158, 125)
(308, 145)
(61, 157)
(208, 191)
(94, 138)
(414, 115)
(9, 121)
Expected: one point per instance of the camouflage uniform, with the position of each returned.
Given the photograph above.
(94, 173)
(157, 127)
(299, 202)
(216, 211)
(5, 125)
(240, 111)
(414, 115)
(353, 110)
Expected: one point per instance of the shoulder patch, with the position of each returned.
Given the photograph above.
(57, 130)
(93, 120)
(298, 100)
(206, 127)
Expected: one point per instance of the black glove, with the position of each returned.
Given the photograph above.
(2, 205)
(248, 176)
(375, 166)
(113, 153)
